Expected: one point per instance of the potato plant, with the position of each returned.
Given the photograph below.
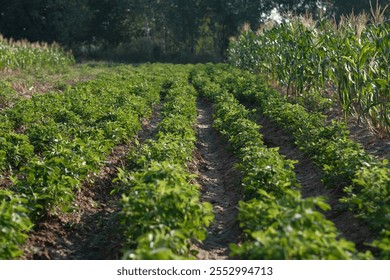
(277, 221)
(161, 212)
(363, 177)
(66, 136)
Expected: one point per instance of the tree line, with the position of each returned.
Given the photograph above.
(151, 30)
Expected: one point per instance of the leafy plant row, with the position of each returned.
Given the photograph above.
(277, 221)
(364, 178)
(65, 138)
(161, 212)
(303, 54)
(24, 55)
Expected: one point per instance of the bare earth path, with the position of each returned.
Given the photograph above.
(220, 185)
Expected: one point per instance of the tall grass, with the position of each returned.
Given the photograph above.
(302, 54)
(24, 55)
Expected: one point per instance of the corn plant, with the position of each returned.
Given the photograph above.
(24, 55)
(304, 55)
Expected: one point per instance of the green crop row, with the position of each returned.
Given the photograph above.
(24, 55)
(303, 55)
(278, 223)
(161, 212)
(14, 223)
(51, 143)
(364, 178)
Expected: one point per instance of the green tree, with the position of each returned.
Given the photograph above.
(45, 20)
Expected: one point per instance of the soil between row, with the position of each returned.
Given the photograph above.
(220, 185)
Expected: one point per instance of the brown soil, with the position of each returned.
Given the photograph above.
(92, 230)
(220, 186)
(27, 92)
(26, 89)
(5, 180)
(309, 176)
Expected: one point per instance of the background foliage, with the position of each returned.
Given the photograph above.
(150, 30)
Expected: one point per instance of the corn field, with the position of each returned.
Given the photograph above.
(23, 55)
(352, 57)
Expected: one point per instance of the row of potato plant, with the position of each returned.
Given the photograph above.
(161, 212)
(51, 143)
(26, 55)
(278, 223)
(364, 178)
(303, 54)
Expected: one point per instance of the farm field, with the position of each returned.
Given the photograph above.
(163, 161)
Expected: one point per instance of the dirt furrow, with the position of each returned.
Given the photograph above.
(220, 185)
(309, 176)
(91, 230)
